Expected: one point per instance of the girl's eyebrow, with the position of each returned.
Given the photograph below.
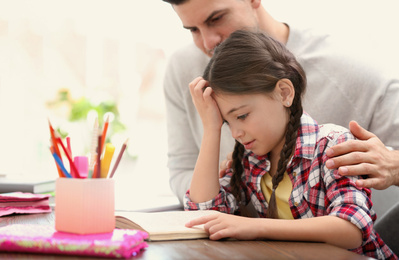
(235, 109)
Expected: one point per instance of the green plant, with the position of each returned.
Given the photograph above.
(79, 109)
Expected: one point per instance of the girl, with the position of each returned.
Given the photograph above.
(255, 85)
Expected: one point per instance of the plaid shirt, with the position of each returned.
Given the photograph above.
(317, 191)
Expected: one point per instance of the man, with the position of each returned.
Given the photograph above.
(340, 89)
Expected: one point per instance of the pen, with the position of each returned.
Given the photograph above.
(119, 158)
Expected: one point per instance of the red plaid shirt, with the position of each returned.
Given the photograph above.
(317, 191)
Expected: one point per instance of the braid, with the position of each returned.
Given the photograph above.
(238, 169)
(286, 152)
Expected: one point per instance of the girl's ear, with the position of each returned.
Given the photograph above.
(286, 91)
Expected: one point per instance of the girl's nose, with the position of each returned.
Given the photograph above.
(237, 133)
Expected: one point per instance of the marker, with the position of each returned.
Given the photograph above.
(106, 160)
(82, 164)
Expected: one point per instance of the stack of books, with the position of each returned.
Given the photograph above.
(27, 184)
(24, 203)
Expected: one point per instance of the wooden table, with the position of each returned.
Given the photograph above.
(208, 249)
(201, 248)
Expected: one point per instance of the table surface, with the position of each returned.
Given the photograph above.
(201, 248)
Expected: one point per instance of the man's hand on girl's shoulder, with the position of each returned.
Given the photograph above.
(365, 156)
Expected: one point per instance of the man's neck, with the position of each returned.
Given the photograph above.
(276, 29)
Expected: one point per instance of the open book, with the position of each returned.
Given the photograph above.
(167, 225)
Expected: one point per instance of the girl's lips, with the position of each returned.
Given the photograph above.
(248, 145)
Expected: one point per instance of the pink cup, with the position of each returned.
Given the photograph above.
(84, 206)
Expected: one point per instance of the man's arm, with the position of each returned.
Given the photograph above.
(184, 126)
(365, 156)
(182, 148)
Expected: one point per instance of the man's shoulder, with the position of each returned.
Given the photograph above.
(333, 53)
(189, 54)
(186, 63)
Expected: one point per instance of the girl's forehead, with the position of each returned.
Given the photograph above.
(234, 102)
(228, 98)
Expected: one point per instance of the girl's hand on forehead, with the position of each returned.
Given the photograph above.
(205, 104)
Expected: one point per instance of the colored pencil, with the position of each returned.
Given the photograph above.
(74, 170)
(68, 140)
(93, 152)
(104, 134)
(56, 150)
(59, 163)
(98, 164)
(119, 158)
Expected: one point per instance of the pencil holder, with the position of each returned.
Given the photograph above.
(84, 206)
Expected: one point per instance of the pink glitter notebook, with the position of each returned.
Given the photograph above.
(121, 243)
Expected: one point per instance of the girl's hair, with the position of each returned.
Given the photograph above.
(252, 63)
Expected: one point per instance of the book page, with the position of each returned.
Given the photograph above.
(170, 223)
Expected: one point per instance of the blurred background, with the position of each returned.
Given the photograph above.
(71, 61)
